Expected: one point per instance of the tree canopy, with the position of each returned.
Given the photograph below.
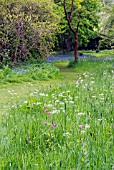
(82, 18)
(106, 25)
(33, 27)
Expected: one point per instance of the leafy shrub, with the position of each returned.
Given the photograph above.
(34, 34)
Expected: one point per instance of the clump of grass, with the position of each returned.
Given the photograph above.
(65, 127)
(42, 71)
(72, 63)
(91, 65)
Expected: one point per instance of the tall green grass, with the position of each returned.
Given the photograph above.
(29, 73)
(66, 127)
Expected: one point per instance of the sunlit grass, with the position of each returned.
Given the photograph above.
(102, 53)
(69, 126)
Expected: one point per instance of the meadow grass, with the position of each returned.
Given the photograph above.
(101, 53)
(69, 126)
(28, 73)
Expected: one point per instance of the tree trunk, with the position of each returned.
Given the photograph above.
(76, 46)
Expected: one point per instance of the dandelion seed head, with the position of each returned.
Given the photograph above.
(49, 105)
(68, 91)
(102, 98)
(66, 134)
(61, 103)
(31, 94)
(93, 96)
(81, 114)
(56, 101)
(101, 94)
(55, 111)
(71, 102)
(87, 126)
(25, 102)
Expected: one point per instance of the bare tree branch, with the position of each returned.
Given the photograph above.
(71, 13)
(78, 25)
(69, 19)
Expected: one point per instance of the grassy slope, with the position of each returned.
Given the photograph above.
(94, 107)
(102, 53)
(17, 153)
(13, 93)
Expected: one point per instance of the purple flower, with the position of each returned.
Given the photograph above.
(80, 127)
(46, 123)
(46, 111)
(54, 125)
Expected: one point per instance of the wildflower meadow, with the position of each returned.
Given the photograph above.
(69, 126)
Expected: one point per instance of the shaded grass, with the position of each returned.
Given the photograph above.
(28, 73)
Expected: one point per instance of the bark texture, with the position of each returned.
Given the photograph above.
(75, 31)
